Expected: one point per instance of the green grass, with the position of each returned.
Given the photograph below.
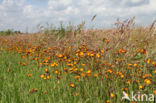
(16, 86)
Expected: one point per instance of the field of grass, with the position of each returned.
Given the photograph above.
(75, 65)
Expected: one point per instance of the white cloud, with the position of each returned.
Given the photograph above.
(18, 14)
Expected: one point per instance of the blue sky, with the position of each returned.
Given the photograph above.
(22, 14)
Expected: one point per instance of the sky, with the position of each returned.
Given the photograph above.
(25, 15)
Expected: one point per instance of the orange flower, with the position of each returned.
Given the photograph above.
(72, 85)
(29, 75)
(140, 86)
(111, 95)
(34, 90)
(148, 61)
(147, 81)
(98, 55)
(154, 92)
(89, 72)
(46, 70)
(42, 76)
(107, 101)
(83, 74)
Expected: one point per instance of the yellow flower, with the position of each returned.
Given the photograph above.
(83, 64)
(72, 85)
(147, 81)
(48, 77)
(91, 54)
(42, 76)
(122, 76)
(81, 53)
(111, 95)
(98, 55)
(101, 51)
(60, 55)
(148, 61)
(107, 101)
(81, 69)
(135, 65)
(46, 70)
(88, 72)
(140, 86)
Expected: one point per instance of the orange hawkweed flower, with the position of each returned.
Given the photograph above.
(29, 75)
(34, 90)
(107, 101)
(60, 55)
(154, 92)
(46, 70)
(148, 61)
(89, 72)
(107, 41)
(72, 85)
(98, 55)
(154, 64)
(83, 74)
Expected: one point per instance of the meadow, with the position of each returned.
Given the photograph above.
(76, 65)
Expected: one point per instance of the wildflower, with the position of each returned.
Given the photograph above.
(83, 64)
(89, 72)
(70, 65)
(147, 81)
(29, 75)
(83, 74)
(46, 70)
(42, 76)
(60, 55)
(34, 90)
(109, 71)
(107, 41)
(56, 72)
(91, 54)
(148, 61)
(77, 77)
(140, 86)
(129, 64)
(111, 95)
(154, 64)
(154, 92)
(135, 65)
(101, 51)
(48, 77)
(128, 82)
(54, 64)
(98, 55)
(81, 69)
(122, 76)
(121, 51)
(95, 75)
(75, 94)
(81, 54)
(107, 101)
(72, 85)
